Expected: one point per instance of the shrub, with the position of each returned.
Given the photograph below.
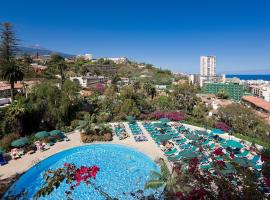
(173, 116)
(88, 138)
(7, 139)
(222, 126)
(100, 88)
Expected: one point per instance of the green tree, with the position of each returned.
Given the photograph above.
(60, 64)
(199, 112)
(136, 85)
(244, 120)
(223, 94)
(164, 103)
(27, 60)
(129, 107)
(184, 97)
(10, 70)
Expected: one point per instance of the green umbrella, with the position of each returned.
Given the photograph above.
(164, 120)
(42, 134)
(233, 144)
(158, 125)
(19, 142)
(55, 132)
(163, 138)
(131, 119)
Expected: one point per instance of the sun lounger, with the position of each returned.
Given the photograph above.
(171, 152)
(174, 158)
(242, 154)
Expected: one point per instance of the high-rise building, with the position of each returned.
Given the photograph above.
(208, 66)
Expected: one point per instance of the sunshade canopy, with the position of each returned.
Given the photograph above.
(20, 142)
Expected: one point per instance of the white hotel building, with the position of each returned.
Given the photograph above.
(207, 72)
(208, 65)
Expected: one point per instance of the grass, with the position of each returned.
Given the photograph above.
(252, 139)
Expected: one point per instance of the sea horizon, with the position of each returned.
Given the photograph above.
(265, 77)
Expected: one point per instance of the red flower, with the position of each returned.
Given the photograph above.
(218, 152)
(267, 182)
(232, 155)
(66, 164)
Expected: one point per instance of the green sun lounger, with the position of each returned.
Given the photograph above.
(242, 154)
(173, 151)
(174, 158)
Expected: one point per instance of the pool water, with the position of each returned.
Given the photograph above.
(122, 171)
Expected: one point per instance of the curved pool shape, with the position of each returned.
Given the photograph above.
(122, 170)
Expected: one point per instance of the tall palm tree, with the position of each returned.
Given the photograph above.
(60, 64)
(10, 70)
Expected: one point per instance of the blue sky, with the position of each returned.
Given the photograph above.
(170, 34)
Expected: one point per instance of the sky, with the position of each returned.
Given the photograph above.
(171, 34)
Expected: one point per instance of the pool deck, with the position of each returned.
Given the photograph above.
(149, 148)
(27, 161)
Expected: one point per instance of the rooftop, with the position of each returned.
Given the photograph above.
(261, 103)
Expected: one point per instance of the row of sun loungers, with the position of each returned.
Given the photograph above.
(137, 132)
(120, 131)
(183, 139)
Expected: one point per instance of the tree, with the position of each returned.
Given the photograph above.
(223, 94)
(87, 125)
(243, 120)
(199, 112)
(164, 103)
(59, 62)
(10, 70)
(27, 60)
(184, 98)
(136, 85)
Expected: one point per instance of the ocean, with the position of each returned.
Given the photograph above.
(249, 77)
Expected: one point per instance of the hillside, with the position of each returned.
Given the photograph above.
(33, 51)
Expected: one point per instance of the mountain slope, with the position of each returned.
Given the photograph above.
(33, 51)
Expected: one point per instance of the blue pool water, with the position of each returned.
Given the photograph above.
(122, 170)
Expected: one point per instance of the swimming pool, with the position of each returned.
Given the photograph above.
(122, 170)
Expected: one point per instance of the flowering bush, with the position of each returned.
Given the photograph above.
(73, 176)
(173, 116)
(218, 152)
(223, 126)
(100, 88)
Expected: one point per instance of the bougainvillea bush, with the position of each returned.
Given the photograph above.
(222, 126)
(71, 175)
(173, 116)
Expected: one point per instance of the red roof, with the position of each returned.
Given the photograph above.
(261, 103)
(6, 86)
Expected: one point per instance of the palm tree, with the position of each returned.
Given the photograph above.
(152, 92)
(164, 179)
(87, 125)
(10, 70)
(60, 64)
